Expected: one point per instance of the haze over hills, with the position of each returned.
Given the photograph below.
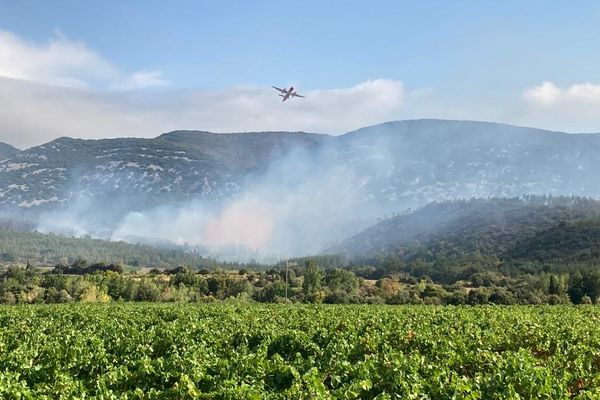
(453, 240)
(282, 192)
(182, 163)
(500, 226)
(51, 249)
(417, 160)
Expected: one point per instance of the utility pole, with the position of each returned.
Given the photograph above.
(286, 277)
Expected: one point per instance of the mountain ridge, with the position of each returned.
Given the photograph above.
(320, 134)
(239, 153)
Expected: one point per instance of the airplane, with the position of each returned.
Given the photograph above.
(287, 93)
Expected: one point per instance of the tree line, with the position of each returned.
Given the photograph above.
(49, 249)
(308, 283)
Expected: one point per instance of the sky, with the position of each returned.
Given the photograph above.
(109, 68)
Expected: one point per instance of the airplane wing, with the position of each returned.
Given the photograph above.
(276, 88)
(297, 95)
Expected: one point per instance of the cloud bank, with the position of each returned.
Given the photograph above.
(574, 107)
(34, 113)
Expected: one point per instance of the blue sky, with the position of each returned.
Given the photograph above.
(469, 45)
(471, 56)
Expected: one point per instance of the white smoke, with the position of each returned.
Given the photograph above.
(305, 202)
(294, 209)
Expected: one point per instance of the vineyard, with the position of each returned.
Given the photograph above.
(248, 351)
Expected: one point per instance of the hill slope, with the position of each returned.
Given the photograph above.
(537, 229)
(7, 151)
(174, 165)
(408, 163)
(434, 160)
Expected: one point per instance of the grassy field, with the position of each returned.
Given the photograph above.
(247, 351)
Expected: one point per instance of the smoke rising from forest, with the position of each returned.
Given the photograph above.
(297, 207)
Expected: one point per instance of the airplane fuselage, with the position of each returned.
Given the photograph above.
(287, 93)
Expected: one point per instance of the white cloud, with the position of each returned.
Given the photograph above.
(571, 108)
(330, 111)
(548, 94)
(545, 94)
(140, 80)
(64, 62)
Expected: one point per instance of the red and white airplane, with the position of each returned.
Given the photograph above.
(287, 93)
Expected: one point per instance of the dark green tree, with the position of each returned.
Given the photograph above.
(313, 280)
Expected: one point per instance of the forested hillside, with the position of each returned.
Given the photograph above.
(517, 235)
(51, 249)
